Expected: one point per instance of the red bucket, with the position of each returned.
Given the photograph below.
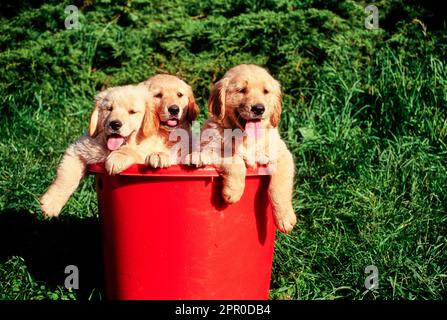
(168, 234)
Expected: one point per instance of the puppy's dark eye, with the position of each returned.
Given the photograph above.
(132, 111)
(158, 95)
(179, 94)
(243, 90)
(266, 91)
(110, 108)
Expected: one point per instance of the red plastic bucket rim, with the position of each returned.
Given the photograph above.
(175, 171)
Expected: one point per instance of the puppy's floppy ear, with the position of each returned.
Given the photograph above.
(276, 113)
(150, 123)
(146, 83)
(216, 101)
(94, 117)
(193, 108)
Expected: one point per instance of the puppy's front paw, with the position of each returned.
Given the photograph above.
(117, 162)
(232, 194)
(51, 207)
(262, 159)
(250, 162)
(193, 159)
(285, 221)
(207, 159)
(199, 159)
(158, 160)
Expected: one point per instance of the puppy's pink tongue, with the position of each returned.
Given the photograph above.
(254, 129)
(172, 122)
(114, 142)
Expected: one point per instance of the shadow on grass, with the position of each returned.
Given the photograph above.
(49, 246)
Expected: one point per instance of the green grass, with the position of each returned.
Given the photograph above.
(365, 115)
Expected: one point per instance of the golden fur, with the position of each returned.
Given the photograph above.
(127, 104)
(231, 106)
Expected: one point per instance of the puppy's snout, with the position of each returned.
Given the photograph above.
(115, 124)
(174, 109)
(258, 109)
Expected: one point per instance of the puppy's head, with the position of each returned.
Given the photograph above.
(173, 101)
(246, 95)
(121, 114)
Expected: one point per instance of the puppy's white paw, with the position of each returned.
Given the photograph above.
(232, 195)
(193, 159)
(117, 162)
(262, 159)
(207, 159)
(51, 207)
(199, 159)
(285, 221)
(250, 162)
(158, 160)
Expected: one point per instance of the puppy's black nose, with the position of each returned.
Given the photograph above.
(258, 109)
(174, 109)
(115, 124)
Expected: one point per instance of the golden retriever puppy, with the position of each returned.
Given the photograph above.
(174, 111)
(245, 108)
(118, 123)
